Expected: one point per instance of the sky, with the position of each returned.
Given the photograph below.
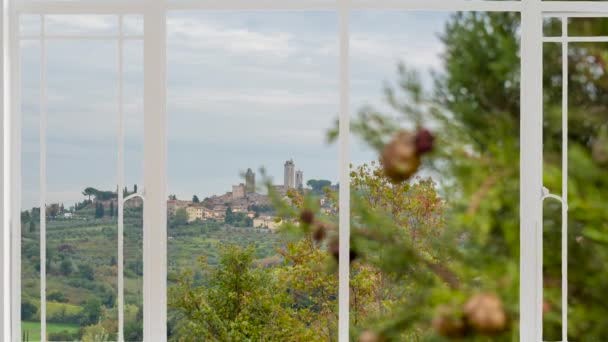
(244, 90)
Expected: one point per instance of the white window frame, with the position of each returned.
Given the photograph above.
(155, 138)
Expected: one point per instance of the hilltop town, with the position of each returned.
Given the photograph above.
(243, 204)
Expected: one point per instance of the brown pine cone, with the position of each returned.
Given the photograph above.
(400, 158)
(599, 150)
(334, 249)
(307, 216)
(319, 232)
(485, 313)
(424, 141)
(369, 336)
(449, 323)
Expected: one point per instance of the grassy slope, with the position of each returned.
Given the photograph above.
(33, 328)
(93, 243)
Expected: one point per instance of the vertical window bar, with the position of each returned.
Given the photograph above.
(121, 181)
(531, 128)
(13, 176)
(564, 179)
(344, 192)
(43, 125)
(155, 174)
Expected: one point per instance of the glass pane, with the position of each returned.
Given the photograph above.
(251, 90)
(587, 186)
(133, 25)
(552, 27)
(29, 25)
(552, 179)
(30, 190)
(81, 198)
(588, 26)
(435, 176)
(134, 175)
(96, 25)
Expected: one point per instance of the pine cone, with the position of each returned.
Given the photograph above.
(307, 216)
(334, 249)
(319, 232)
(400, 158)
(424, 141)
(448, 323)
(485, 313)
(599, 150)
(369, 336)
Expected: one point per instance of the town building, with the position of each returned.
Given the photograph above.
(173, 205)
(289, 174)
(238, 191)
(269, 222)
(299, 180)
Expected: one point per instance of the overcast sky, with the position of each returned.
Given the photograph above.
(245, 89)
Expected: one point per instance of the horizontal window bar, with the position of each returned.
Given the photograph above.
(121, 7)
(599, 39)
(80, 37)
(80, 7)
(574, 6)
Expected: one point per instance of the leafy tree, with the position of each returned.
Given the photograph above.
(478, 172)
(52, 210)
(65, 267)
(238, 304)
(317, 185)
(86, 271)
(195, 199)
(95, 333)
(229, 216)
(56, 296)
(25, 216)
(111, 209)
(32, 226)
(28, 311)
(180, 218)
(89, 192)
(91, 311)
(99, 210)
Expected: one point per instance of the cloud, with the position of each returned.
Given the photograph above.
(204, 36)
(389, 48)
(81, 24)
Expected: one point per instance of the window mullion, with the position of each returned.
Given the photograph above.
(155, 175)
(531, 132)
(344, 190)
(13, 177)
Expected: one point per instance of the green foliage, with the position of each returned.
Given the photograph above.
(28, 310)
(55, 296)
(180, 218)
(318, 185)
(65, 267)
(237, 219)
(91, 311)
(86, 271)
(99, 194)
(239, 303)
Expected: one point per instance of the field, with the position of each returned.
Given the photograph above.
(82, 270)
(31, 330)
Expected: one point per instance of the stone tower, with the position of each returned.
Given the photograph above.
(299, 180)
(289, 175)
(249, 181)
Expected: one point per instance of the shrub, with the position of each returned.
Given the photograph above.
(28, 311)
